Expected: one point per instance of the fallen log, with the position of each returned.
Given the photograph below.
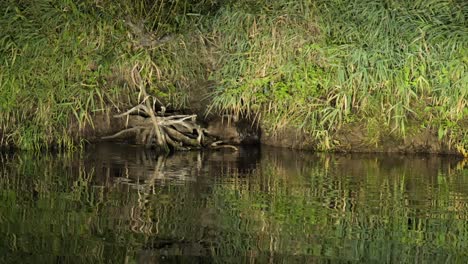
(163, 132)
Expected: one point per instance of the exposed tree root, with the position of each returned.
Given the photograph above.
(176, 132)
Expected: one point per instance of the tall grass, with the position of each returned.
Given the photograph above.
(322, 64)
(314, 65)
(47, 73)
(64, 61)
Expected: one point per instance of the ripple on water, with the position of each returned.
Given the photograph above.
(118, 203)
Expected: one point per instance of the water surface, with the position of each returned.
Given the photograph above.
(123, 204)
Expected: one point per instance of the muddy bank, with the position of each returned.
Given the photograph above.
(228, 129)
(352, 138)
(356, 138)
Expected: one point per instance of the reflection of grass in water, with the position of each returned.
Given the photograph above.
(376, 216)
(370, 208)
(50, 210)
(54, 208)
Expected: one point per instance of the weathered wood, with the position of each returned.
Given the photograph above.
(177, 132)
(160, 138)
(176, 135)
(118, 134)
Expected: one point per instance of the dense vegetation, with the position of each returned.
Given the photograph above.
(398, 67)
(321, 64)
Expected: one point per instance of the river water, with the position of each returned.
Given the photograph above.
(123, 204)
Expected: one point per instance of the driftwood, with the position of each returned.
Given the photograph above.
(153, 129)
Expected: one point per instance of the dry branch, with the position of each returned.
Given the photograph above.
(177, 132)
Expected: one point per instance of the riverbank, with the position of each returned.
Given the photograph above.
(329, 76)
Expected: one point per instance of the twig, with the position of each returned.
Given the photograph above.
(138, 107)
(160, 139)
(124, 131)
(216, 145)
(171, 122)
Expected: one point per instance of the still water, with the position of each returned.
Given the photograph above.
(123, 204)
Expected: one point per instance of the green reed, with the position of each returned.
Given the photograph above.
(64, 62)
(313, 65)
(322, 64)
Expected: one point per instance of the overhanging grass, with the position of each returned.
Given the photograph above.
(321, 64)
(63, 61)
(54, 55)
(315, 65)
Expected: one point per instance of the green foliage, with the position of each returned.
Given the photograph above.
(47, 74)
(322, 64)
(64, 61)
(314, 65)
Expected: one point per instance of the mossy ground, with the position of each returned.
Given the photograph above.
(394, 68)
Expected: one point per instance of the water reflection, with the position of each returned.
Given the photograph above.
(126, 204)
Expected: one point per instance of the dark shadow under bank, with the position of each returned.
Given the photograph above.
(351, 138)
(354, 138)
